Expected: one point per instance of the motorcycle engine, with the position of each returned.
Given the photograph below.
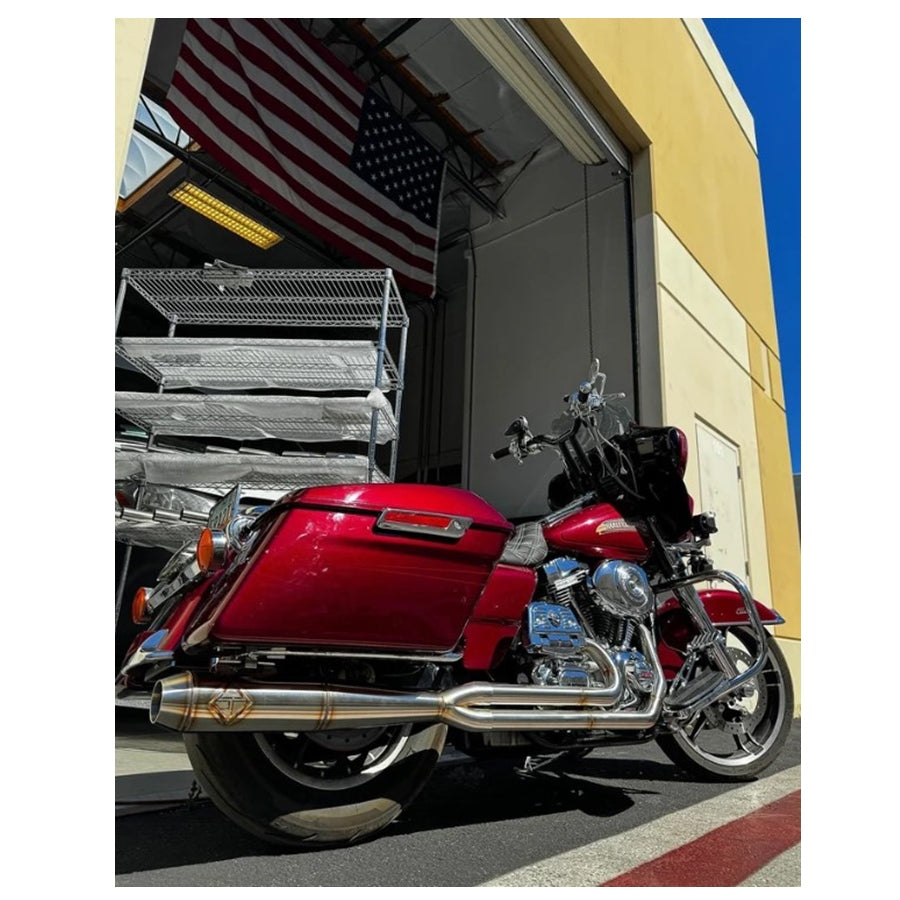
(604, 608)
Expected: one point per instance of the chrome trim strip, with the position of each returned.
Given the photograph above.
(455, 528)
(148, 652)
(352, 653)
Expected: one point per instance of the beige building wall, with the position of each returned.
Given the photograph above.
(701, 248)
(132, 45)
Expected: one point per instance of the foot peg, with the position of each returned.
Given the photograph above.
(533, 763)
(695, 689)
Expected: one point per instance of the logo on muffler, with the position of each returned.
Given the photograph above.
(230, 705)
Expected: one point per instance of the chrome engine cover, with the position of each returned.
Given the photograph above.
(553, 630)
(638, 673)
(558, 628)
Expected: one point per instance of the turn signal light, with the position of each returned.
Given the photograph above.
(140, 614)
(211, 547)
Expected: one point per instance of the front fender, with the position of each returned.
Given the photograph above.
(675, 629)
(724, 608)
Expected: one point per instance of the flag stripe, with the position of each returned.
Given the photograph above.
(251, 67)
(227, 123)
(212, 69)
(292, 121)
(284, 50)
(300, 143)
(343, 79)
(273, 189)
(297, 79)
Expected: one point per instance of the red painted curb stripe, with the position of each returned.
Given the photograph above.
(725, 856)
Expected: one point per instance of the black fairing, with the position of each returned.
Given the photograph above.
(654, 456)
(643, 479)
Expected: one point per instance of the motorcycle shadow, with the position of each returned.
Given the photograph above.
(459, 793)
(481, 792)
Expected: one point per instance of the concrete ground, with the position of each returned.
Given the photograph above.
(153, 774)
(152, 769)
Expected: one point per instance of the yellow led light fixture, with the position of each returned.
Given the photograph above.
(222, 214)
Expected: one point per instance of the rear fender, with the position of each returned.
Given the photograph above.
(161, 640)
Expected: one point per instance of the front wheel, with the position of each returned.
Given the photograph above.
(738, 737)
(315, 789)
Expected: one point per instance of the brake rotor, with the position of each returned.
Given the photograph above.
(743, 710)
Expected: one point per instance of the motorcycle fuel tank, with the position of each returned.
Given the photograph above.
(371, 566)
(597, 531)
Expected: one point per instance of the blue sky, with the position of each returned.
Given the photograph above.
(763, 56)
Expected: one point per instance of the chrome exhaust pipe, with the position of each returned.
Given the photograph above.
(183, 703)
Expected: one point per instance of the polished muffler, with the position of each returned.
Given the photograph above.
(185, 703)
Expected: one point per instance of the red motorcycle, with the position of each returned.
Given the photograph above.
(318, 653)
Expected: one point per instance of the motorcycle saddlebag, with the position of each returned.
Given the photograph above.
(367, 566)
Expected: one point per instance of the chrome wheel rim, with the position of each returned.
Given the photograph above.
(334, 760)
(742, 728)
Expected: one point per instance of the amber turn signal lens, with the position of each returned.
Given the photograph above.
(210, 550)
(140, 615)
(204, 549)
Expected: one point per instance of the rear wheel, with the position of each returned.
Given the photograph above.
(738, 737)
(315, 789)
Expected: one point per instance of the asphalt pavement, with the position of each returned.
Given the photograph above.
(624, 816)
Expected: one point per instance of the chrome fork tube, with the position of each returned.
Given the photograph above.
(690, 600)
(734, 679)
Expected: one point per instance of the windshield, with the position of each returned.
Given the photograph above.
(610, 418)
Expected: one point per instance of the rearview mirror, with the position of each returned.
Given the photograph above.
(518, 426)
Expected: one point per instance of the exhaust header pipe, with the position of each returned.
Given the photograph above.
(184, 703)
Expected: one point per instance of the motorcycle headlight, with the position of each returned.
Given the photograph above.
(622, 589)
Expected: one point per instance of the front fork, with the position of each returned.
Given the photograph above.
(684, 703)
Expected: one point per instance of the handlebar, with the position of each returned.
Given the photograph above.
(526, 444)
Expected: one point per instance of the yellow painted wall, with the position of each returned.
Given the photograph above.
(648, 75)
(706, 377)
(132, 45)
(648, 78)
(780, 511)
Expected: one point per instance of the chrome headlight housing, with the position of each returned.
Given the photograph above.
(622, 589)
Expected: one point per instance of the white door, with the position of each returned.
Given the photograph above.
(721, 493)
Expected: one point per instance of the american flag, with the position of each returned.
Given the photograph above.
(297, 126)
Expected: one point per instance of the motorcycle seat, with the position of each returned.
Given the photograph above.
(526, 546)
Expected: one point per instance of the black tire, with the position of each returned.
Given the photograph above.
(737, 742)
(308, 790)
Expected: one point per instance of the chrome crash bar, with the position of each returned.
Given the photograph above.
(692, 603)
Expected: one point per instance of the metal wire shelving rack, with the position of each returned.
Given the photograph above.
(243, 417)
(220, 363)
(220, 295)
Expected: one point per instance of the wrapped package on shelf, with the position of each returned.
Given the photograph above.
(248, 363)
(243, 417)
